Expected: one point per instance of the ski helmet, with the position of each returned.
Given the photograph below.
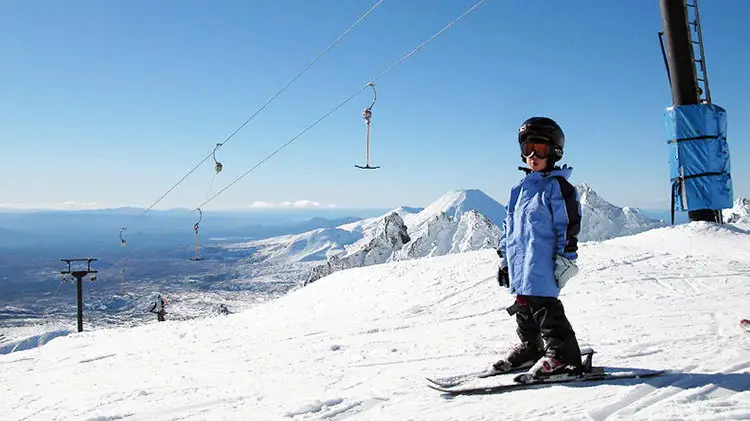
(543, 129)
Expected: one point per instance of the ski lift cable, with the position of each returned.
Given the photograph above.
(62, 281)
(212, 154)
(427, 41)
(210, 186)
(280, 148)
(370, 83)
(305, 69)
(262, 107)
(344, 102)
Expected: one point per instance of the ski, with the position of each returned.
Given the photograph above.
(452, 381)
(458, 379)
(745, 324)
(597, 374)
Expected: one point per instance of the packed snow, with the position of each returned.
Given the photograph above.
(358, 344)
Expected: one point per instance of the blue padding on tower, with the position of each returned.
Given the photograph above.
(698, 157)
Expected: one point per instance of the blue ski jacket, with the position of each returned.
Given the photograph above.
(543, 220)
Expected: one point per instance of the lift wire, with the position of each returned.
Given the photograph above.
(247, 121)
(334, 109)
(268, 102)
(298, 135)
(420, 46)
(218, 167)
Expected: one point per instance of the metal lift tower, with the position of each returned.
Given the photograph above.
(696, 128)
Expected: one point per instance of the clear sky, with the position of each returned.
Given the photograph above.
(109, 103)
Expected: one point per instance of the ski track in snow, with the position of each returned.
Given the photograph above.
(88, 360)
(358, 344)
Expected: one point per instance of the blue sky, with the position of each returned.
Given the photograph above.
(110, 103)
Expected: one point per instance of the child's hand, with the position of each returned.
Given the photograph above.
(564, 270)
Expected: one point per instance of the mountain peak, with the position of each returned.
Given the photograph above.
(602, 220)
(456, 202)
(585, 187)
(589, 195)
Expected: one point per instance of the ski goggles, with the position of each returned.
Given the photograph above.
(539, 150)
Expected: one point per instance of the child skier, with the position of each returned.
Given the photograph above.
(538, 248)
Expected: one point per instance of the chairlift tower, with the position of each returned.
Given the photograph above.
(79, 275)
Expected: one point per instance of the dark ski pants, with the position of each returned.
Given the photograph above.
(542, 322)
(160, 316)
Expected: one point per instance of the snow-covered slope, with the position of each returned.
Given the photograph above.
(602, 220)
(308, 246)
(740, 212)
(357, 345)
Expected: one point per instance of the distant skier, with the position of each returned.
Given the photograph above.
(159, 308)
(538, 248)
(224, 310)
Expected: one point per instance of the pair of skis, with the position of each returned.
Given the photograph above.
(455, 385)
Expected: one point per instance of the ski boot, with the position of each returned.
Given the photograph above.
(521, 356)
(550, 368)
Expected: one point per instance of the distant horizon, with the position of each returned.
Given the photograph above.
(313, 208)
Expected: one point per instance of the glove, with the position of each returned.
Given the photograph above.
(502, 277)
(564, 270)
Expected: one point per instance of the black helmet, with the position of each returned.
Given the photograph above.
(544, 129)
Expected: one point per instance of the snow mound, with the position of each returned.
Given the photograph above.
(31, 341)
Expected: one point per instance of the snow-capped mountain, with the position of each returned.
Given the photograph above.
(347, 239)
(459, 221)
(444, 234)
(601, 220)
(456, 202)
(319, 244)
(740, 212)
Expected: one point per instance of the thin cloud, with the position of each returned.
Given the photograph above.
(68, 205)
(297, 204)
(80, 205)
